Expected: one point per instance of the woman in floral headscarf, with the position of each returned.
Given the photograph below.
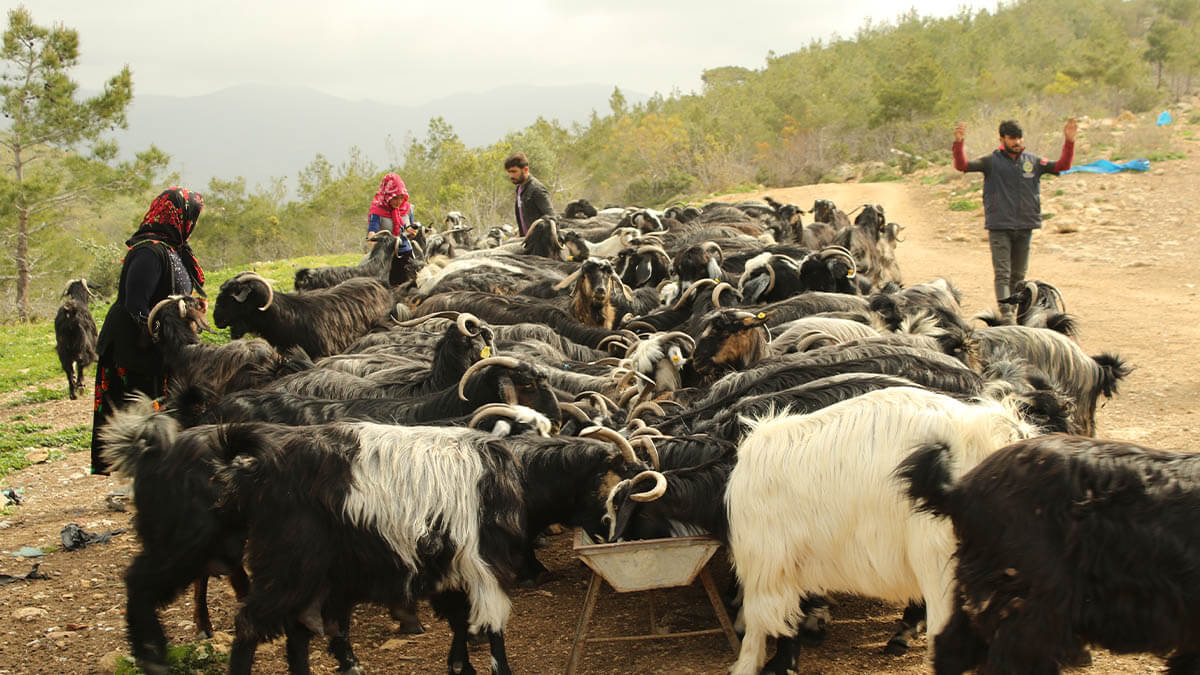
(158, 263)
(392, 212)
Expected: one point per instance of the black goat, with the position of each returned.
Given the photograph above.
(332, 395)
(75, 334)
(174, 323)
(580, 208)
(500, 310)
(322, 322)
(377, 264)
(459, 531)
(1065, 541)
(184, 539)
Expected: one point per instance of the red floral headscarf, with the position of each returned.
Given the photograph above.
(389, 187)
(171, 218)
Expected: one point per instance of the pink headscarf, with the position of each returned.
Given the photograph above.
(388, 188)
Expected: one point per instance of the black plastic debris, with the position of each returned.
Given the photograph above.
(6, 579)
(75, 537)
(11, 498)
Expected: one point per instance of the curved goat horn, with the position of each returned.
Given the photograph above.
(601, 401)
(647, 444)
(615, 338)
(646, 406)
(613, 437)
(687, 338)
(716, 291)
(568, 280)
(158, 306)
(251, 276)
(638, 324)
(691, 290)
(447, 314)
(1033, 293)
(840, 251)
(574, 411)
(464, 321)
(501, 409)
(506, 361)
(659, 489)
(1062, 302)
(811, 337)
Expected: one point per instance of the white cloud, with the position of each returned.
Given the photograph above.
(414, 52)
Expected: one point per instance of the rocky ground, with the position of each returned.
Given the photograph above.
(1119, 247)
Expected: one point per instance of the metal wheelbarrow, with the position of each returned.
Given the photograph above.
(632, 566)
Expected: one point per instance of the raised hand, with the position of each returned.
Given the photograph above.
(1070, 129)
(960, 132)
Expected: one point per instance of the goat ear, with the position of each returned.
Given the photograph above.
(241, 294)
(643, 272)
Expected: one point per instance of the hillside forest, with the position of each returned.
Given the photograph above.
(885, 98)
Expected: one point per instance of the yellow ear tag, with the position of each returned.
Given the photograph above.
(716, 281)
(570, 258)
(762, 315)
(849, 274)
(485, 352)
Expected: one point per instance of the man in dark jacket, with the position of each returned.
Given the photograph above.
(1012, 199)
(533, 201)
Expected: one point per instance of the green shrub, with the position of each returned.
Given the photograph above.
(964, 205)
(885, 175)
(199, 658)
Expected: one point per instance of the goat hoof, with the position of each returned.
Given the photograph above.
(353, 670)
(410, 628)
(153, 668)
(1078, 659)
(895, 647)
(810, 638)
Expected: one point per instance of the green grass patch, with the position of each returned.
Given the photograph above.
(1165, 156)
(28, 355)
(40, 395)
(198, 658)
(934, 179)
(964, 205)
(886, 175)
(1059, 192)
(18, 437)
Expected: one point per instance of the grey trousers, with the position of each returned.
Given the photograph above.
(1010, 258)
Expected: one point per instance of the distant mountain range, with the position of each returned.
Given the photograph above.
(264, 131)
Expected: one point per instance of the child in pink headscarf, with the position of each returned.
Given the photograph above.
(391, 211)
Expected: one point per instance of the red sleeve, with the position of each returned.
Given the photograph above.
(1064, 159)
(960, 156)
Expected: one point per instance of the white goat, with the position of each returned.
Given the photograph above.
(814, 508)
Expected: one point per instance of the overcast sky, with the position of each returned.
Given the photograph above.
(413, 52)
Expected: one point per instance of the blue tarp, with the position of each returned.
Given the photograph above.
(1164, 118)
(1105, 166)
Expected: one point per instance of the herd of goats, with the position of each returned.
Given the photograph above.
(726, 370)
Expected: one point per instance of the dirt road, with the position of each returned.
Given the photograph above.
(1128, 274)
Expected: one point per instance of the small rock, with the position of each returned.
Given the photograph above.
(394, 643)
(29, 613)
(108, 663)
(59, 635)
